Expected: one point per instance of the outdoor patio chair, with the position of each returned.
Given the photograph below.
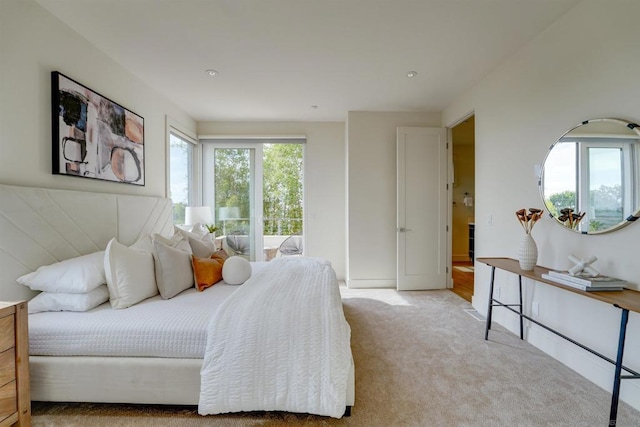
(291, 246)
(239, 244)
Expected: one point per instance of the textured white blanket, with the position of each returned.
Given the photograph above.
(279, 343)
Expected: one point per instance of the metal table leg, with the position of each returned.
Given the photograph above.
(617, 377)
(490, 308)
(521, 318)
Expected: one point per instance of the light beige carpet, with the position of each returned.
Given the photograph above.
(420, 360)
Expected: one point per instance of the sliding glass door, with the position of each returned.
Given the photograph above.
(255, 189)
(235, 199)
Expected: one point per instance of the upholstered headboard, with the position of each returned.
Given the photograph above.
(41, 226)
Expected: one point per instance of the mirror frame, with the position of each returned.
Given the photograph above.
(631, 218)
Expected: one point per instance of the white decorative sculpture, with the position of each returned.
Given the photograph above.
(583, 266)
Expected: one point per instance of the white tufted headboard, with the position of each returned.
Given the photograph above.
(41, 226)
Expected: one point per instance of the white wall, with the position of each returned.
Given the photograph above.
(584, 66)
(324, 177)
(371, 194)
(32, 44)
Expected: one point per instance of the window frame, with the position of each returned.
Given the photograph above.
(180, 132)
(629, 169)
(255, 144)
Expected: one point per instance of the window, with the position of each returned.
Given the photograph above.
(596, 179)
(255, 188)
(282, 189)
(181, 173)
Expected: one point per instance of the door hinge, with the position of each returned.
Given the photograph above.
(447, 186)
(447, 268)
(447, 145)
(447, 228)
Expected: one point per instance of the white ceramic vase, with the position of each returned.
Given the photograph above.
(528, 253)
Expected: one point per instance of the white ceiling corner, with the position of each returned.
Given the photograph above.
(277, 58)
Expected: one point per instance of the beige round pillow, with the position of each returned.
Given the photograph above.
(236, 270)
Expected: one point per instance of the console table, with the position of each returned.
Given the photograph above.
(626, 300)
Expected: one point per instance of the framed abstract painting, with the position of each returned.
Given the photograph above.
(94, 137)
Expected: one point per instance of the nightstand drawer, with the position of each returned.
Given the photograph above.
(15, 401)
(8, 400)
(7, 366)
(8, 336)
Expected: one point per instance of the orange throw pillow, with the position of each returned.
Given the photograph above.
(206, 272)
(221, 255)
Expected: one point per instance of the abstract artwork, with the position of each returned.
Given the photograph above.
(93, 137)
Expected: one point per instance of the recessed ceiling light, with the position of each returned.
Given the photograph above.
(211, 72)
(412, 74)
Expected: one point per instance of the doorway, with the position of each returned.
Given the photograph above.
(255, 188)
(463, 208)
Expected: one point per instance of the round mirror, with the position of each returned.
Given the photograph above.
(590, 180)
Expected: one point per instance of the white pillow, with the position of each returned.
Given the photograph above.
(202, 248)
(199, 232)
(71, 276)
(236, 270)
(49, 301)
(130, 275)
(143, 244)
(177, 241)
(174, 273)
(200, 229)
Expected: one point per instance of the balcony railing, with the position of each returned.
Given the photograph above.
(271, 226)
(275, 231)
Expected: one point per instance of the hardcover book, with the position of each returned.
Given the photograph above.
(582, 287)
(600, 280)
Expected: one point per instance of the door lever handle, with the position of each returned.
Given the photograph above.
(402, 230)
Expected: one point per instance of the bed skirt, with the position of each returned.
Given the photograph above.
(141, 380)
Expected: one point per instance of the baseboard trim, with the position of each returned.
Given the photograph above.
(371, 283)
(460, 258)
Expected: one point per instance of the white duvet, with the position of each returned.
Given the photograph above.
(280, 342)
(153, 328)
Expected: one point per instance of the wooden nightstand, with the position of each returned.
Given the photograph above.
(15, 400)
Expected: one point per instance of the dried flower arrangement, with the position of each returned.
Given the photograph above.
(528, 220)
(569, 218)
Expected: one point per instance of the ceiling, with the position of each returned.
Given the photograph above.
(277, 59)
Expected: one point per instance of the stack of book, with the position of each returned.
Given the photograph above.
(586, 283)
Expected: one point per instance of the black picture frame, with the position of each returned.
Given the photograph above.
(93, 136)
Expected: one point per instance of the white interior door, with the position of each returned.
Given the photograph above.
(421, 208)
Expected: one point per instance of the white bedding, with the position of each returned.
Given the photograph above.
(152, 328)
(280, 342)
(41, 226)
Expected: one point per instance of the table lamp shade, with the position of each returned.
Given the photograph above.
(226, 213)
(198, 215)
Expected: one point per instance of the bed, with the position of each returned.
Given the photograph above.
(43, 226)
